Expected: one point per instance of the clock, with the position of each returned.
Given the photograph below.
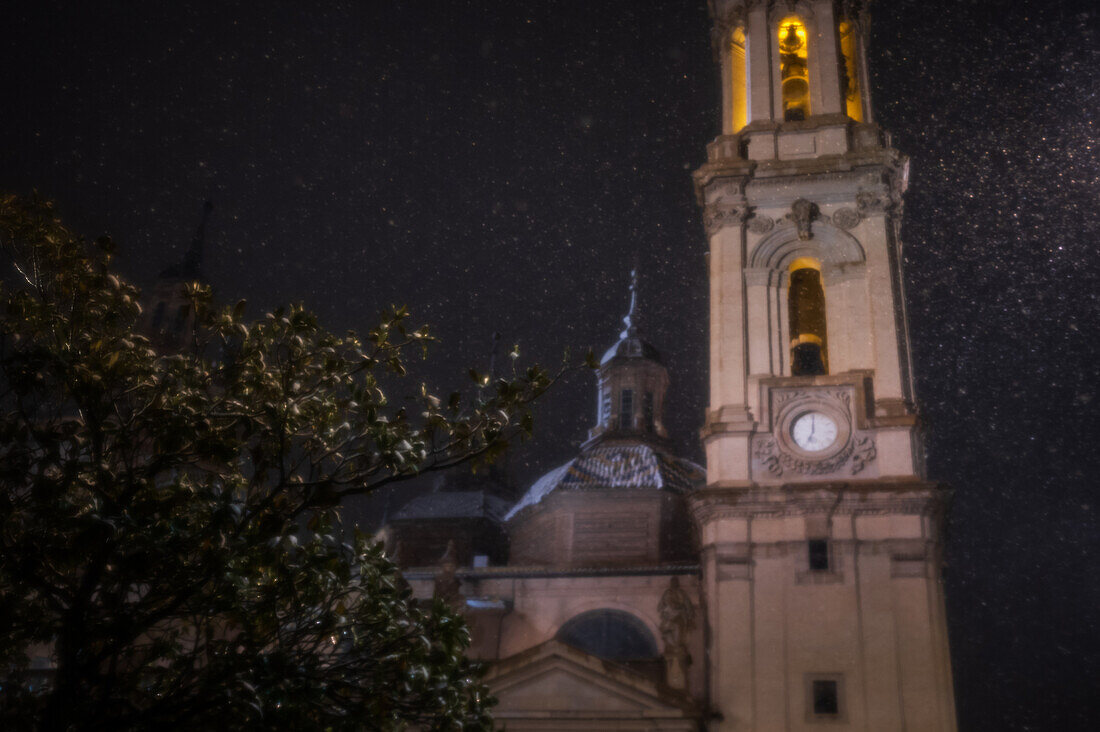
(814, 431)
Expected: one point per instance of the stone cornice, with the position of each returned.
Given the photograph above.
(870, 147)
(878, 497)
(743, 552)
(515, 571)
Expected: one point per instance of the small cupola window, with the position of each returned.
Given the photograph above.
(626, 409)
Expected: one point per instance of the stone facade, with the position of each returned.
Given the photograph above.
(797, 584)
(821, 556)
(595, 620)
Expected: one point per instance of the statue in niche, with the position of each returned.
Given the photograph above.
(447, 584)
(677, 619)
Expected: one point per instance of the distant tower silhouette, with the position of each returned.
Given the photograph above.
(168, 317)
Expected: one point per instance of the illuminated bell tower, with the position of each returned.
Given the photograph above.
(821, 537)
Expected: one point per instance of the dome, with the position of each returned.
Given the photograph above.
(616, 467)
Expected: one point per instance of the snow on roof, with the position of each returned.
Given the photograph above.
(636, 466)
(466, 504)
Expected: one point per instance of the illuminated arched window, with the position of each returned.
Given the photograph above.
(793, 69)
(849, 83)
(806, 312)
(610, 634)
(739, 78)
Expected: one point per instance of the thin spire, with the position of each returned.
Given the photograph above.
(630, 320)
(190, 268)
(493, 356)
(193, 260)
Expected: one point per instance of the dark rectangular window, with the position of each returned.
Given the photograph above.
(825, 697)
(158, 315)
(626, 409)
(647, 411)
(819, 555)
(181, 317)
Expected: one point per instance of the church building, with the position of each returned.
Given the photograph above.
(795, 584)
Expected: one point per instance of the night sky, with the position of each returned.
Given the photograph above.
(497, 166)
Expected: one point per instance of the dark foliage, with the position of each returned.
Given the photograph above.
(170, 521)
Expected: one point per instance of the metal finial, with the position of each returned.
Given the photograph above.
(631, 318)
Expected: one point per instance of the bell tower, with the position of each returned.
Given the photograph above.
(821, 536)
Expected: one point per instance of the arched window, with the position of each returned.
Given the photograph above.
(739, 78)
(610, 634)
(793, 70)
(806, 312)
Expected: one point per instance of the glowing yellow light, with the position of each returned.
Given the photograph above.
(793, 71)
(806, 314)
(852, 101)
(792, 36)
(805, 263)
(739, 79)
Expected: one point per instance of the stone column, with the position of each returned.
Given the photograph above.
(760, 71)
(825, 97)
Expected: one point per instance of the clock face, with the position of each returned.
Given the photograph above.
(814, 432)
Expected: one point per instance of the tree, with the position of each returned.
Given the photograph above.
(170, 521)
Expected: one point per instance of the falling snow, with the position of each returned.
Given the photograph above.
(498, 166)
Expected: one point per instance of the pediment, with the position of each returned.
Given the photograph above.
(556, 681)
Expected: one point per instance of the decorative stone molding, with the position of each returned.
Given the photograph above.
(872, 202)
(718, 216)
(777, 9)
(765, 277)
(867, 137)
(829, 245)
(889, 498)
(761, 224)
(846, 218)
(907, 557)
(779, 462)
(733, 16)
(803, 213)
(775, 454)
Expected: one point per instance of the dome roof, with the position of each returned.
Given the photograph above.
(616, 467)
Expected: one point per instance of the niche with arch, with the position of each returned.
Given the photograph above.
(807, 295)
